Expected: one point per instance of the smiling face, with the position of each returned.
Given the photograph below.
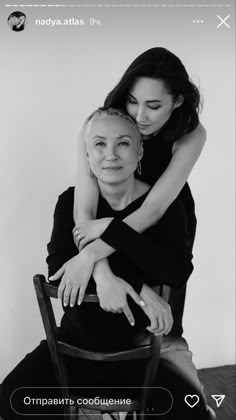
(150, 104)
(113, 148)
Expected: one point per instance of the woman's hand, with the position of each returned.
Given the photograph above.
(75, 277)
(112, 292)
(88, 231)
(157, 310)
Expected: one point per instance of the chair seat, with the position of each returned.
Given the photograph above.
(141, 352)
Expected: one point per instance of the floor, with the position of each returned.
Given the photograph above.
(216, 381)
(220, 380)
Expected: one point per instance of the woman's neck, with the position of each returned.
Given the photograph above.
(150, 136)
(119, 196)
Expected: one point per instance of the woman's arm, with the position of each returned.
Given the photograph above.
(61, 246)
(163, 253)
(86, 188)
(186, 152)
(112, 292)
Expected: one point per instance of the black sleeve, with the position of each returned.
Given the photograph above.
(61, 246)
(122, 267)
(162, 252)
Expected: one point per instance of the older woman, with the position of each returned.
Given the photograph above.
(114, 150)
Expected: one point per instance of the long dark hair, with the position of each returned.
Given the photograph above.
(160, 63)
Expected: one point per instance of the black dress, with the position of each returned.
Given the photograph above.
(156, 158)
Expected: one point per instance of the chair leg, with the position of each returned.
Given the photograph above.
(71, 413)
(140, 415)
(74, 413)
(134, 415)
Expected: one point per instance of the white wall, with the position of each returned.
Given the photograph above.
(51, 79)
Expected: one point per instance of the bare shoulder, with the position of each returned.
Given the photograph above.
(194, 140)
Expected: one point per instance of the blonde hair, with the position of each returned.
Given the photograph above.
(112, 111)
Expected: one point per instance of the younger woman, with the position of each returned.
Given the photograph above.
(158, 94)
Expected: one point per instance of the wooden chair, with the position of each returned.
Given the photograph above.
(58, 349)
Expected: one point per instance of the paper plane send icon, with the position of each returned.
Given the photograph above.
(218, 399)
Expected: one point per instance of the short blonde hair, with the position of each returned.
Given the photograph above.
(103, 111)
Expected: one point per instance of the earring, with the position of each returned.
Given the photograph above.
(139, 168)
(90, 172)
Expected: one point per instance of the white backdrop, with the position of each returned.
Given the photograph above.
(51, 79)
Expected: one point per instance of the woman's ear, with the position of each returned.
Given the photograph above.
(140, 155)
(90, 172)
(178, 101)
(88, 165)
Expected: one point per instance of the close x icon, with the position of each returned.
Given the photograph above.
(223, 21)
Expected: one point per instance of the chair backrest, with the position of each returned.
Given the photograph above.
(58, 349)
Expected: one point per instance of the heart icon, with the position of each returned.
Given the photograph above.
(191, 400)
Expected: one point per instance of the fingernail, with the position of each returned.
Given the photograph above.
(50, 278)
(142, 303)
(132, 323)
(71, 304)
(79, 302)
(65, 303)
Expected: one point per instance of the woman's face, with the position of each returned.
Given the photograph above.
(113, 149)
(150, 104)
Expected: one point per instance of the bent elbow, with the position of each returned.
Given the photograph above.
(180, 274)
(188, 271)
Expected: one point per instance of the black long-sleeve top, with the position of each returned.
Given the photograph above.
(160, 255)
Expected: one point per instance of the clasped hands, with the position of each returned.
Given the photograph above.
(71, 284)
(112, 292)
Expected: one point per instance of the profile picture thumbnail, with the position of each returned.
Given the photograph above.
(17, 21)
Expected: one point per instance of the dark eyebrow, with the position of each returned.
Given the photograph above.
(148, 102)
